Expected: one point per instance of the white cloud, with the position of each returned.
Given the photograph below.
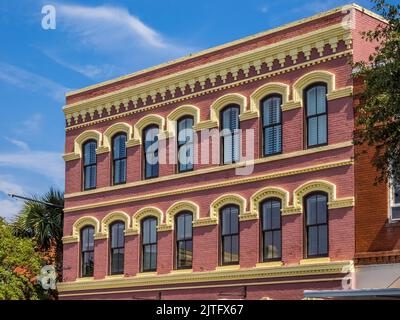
(8, 185)
(264, 8)
(24, 79)
(20, 144)
(104, 25)
(47, 164)
(10, 208)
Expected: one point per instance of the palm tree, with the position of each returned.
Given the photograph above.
(43, 223)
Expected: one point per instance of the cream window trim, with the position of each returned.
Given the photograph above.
(174, 116)
(144, 213)
(112, 217)
(78, 225)
(151, 119)
(227, 199)
(179, 207)
(266, 90)
(121, 127)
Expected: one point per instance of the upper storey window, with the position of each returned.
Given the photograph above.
(230, 134)
(89, 165)
(150, 138)
(316, 114)
(119, 158)
(185, 144)
(272, 125)
(395, 201)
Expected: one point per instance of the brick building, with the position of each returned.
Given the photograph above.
(267, 213)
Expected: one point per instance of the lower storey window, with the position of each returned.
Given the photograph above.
(317, 225)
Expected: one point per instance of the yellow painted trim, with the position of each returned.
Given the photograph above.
(223, 285)
(269, 192)
(347, 162)
(146, 121)
(146, 274)
(208, 276)
(241, 61)
(340, 93)
(180, 206)
(320, 185)
(144, 213)
(236, 83)
(180, 271)
(115, 276)
(78, 225)
(82, 138)
(266, 90)
(228, 267)
(117, 128)
(223, 101)
(314, 261)
(233, 43)
(176, 114)
(213, 169)
(224, 200)
(272, 264)
(112, 217)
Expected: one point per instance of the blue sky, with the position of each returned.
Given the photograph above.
(96, 41)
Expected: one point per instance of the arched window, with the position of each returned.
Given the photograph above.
(272, 124)
(117, 247)
(119, 158)
(185, 144)
(316, 205)
(229, 217)
(150, 138)
(230, 134)
(184, 243)
(271, 229)
(87, 251)
(149, 244)
(89, 164)
(316, 114)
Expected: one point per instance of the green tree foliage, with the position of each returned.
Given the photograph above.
(378, 115)
(44, 224)
(19, 265)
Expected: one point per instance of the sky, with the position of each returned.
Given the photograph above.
(94, 41)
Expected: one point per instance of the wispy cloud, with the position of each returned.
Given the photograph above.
(8, 185)
(105, 26)
(10, 208)
(47, 164)
(91, 71)
(20, 144)
(27, 80)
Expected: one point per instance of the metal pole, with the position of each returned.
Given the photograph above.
(37, 201)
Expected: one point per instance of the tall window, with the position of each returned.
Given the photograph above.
(316, 114)
(119, 158)
(149, 244)
(185, 144)
(395, 201)
(89, 164)
(184, 243)
(150, 138)
(230, 234)
(272, 125)
(87, 251)
(271, 229)
(117, 247)
(317, 224)
(230, 134)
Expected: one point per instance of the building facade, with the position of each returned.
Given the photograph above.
(227, 174)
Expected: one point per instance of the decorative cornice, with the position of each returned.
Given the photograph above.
(226, 70)
(330, 268)
(233, 84)
(223, 184)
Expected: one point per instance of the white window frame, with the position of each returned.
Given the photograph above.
(392, 204)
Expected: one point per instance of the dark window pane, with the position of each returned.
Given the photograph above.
(312, 240)
(311, 210)
(146, 257)
(231, 138)
(321, 209)
(311, 101)
(227, 248)
(395, 212)
(321, 99)
(226, 223)
(312, 131)
(322, 138)
(323, 239)
(396, 194)
(277, 244)
(235, 248)
(151, 151)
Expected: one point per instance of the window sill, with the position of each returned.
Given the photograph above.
(146, 274)
(83, 279)
(115, 276)
(228, 267)
(180, 271)
(314, 261)
(271, 264)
